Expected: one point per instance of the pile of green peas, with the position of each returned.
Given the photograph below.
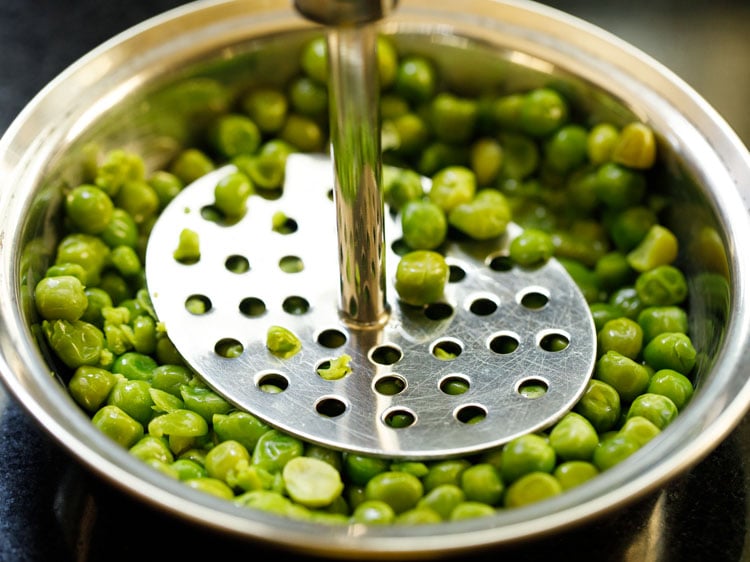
(579, 191)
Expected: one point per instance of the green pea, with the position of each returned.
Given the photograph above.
(613, 450)
(619, 187)
(421, 277)
(231, 194)
(635, 147)
(486, 158)
(675, 386)
(144, 334)
(164, 402)
(139, 200)
(359, 469)
(76, 343)
(188, 247)
(149, 448)
(639, 429)
(483, 218)
(665, 285)
(267, 168)
(133, 398)
(373, 512)
(418, 516)
(126, 261)
(188, 469)
(67, 269)
(89, 208)
(119, 167)
(204, 401)
(166, 185)
(471, 510)
(61, 298)
(85, 250)
(655, 320)
(628, 227)
(600, 404)
(401, 186)
(601, 142)
(542, 112)
(438, 155)
(212, 486)
(239, 426)
(178, 423)
(520, 156)
(416, 79)
(90, 386)
(482, 483)
(410, 133)
(628, 301)
(267, 107)
(121, 230)
(584, 277)
(423, 224)
(118, 425)
(453, 186)
(531, 248)
(658, 247)
(314, 59)
(312, 482)
(574, 473)
(400, 490)
(191, 164)
(573, 438)
(625, 375)
(526, 454)
(566, 149)
(505, 111)
(442, 499)
(531, 488)
(656, 408)
(623, 335)
(603, 312)
(274, 449)
(135, 366)
(671, 350)
(325, 454)
(170, 378)
(234, 134)
(302, 132)
(447, 471)
(308, 97)
(453, 118)
(225, 458)
(613, 270)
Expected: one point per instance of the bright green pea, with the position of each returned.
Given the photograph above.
(150, 447)
(119, 167)
(531, 488)
(76, 343)
(139, 200)
(614, 449)
(671, 350)
(234, 134)
(133, 398)
(542, 112)
(627, 228)
(533, 247)
(224, 459)
(603, 312)
(421, 277)
(179, 423)
(135, 366)
(471, 510)
(373, 512)
(312, 482)
(204, 401)
(655, 320)
(566, 149)
(400, 490)
(574, 473)
(600, 404)
(658, 247)
(188, 469)
(314, 59)
(442, 499)
(308, 97)
(90, 386)
(482, 483)
(191, 164)
(89, 208)
(231, 194)
(85, 250)
(656, 408)
(144, 334)
(601, 141)
(416, 79)
(170, 378)
(573, 438)
(623, 335)
(423, 224)
(411, 133)
(485, 217)
(242, 427)
(274, 449)
(453, 118)
(418, 516)
(212, 486)
(580, 189)
(445, 472)
(625, 375)
(665, 285)
(486, 158)
(325, 454)
(302, 132)
(639, 429)
(675, 386)
(400, 186)
(453, 186)
(166, 185)
(118, 425)
(188, 247)
(359, 469)
(418, 469)
(61, 298)
(267, 107)
(282, 343)
(121, 230)
(613, 270)
(267, 168)
(125, 260)
(164, 402)
(628, 301)
(619, 187)
(69, 269)
(505, 111)
(526, 454)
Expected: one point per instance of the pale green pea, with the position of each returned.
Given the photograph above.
(373, 512)
(601, 141)
(224, 459)
(573, 438)
(471, 510)
(180, 423)
(675, 386)
(614, 449)
(164, 402)
(658, 247)
(418, 516)
(628, 377)
(635, 147)
(90, 386)
(531, 488)
(76, 343)
(274, 449)
(656, 408)
(231, 194)
(423, 224)
(61, 297)
(188, 247)
(312, 482)
(671, 350)
(400, 490)
(150, 447)
(482, 483)
(655, 320)
(204, 401)
(531, 248)
(445, 472)
(574, 473)
(188, 469)
(282, 343)
(526, 454)
(623, 335)
(442, 499)
(639, 429)
(600, 404)
(212, 486)
(239, 426)
(486, 159)
(485, 217)
(118, 425)
(452, 186)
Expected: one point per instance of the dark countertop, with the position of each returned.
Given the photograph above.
(53, 510)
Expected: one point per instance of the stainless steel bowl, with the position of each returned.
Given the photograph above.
(131, 92)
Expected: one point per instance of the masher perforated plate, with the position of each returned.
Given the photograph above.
(520, 343)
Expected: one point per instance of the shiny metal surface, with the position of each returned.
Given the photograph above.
(344, 12)
(493, 328)
(706, 156)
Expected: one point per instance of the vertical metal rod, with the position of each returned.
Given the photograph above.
(355, 136)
